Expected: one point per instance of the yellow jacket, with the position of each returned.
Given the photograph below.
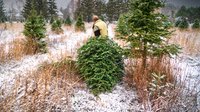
(100, 28)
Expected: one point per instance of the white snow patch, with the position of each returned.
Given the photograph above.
(119, 100)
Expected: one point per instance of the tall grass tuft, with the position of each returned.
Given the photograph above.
(47, 89)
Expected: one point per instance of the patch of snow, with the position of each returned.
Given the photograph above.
(189, 73)
(111, 33)
(6, 37)
(20, 68)
(119, 100)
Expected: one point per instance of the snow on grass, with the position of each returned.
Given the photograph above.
(119, 100)
(20, 68)
(31, 63)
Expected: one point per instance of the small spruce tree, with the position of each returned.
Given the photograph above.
(196, 24)
(183, 24)
(80, 26)
(100, 63)
(57, 26)
(68, 21)
(2, 12)
(34, 30)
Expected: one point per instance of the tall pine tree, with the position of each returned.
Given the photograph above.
(111, 10)
(116, 7)
(27, 8)
(52, 8)
(86, 8)
(2, 12)
(100, 8)
(41, 6)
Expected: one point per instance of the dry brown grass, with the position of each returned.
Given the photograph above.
(141, 81)
(189, 41)
(174, 95)
(16, 27)
(12, 51)
(48, 89)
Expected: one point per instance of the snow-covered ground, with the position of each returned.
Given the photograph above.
(120, 99)
(66, 45)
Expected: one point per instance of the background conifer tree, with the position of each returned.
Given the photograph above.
(183, 23)
(68, 21)
(57, 26)
(27, 8)
(52, 9)
(87, 9)
(3, 17)
(41, 7)
(196, 24)
(80, 26)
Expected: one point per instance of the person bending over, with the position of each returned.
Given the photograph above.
(99, 27)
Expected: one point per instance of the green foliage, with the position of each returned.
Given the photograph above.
(52, 8)
(102, 18)
(3, 17)
(68, 21)
(34, 30)
(145, 30)
(80, 26)
(57, 26)
(100, 63)
(86, 8)
(122, 26)
(192, 13)
(178, 22)
(157, 85)
(182, 12)
(183, 23)
(111, 9)
(116, 7)
(27, 8)
(42, 8)
(196, 24)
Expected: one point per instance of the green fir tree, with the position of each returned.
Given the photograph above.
(196, 24)
(80, 26)
(57, 26)
(100, 63)
(183, 23)
(144, 29)
(41, 7)
(52, 9)
(34, 30)
(3, 17)
(68, 21)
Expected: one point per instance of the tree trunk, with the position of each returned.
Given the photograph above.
(144, 57)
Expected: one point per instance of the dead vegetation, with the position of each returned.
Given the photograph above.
(12, 51)
(48, 89)
(188, 40)
(159, 89)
